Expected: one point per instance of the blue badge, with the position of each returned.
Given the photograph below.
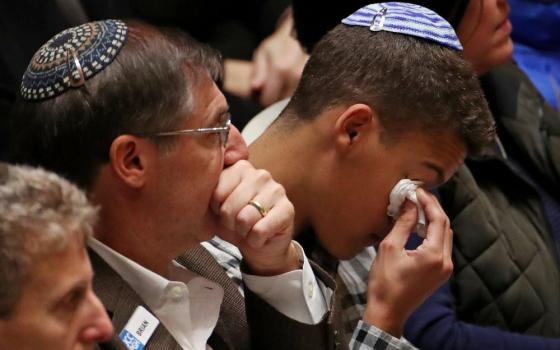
(130, 341)
(139, 328)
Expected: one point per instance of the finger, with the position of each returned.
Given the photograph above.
(272, 88)
(246, 219)
(448, 245)
(404, 225)
(294, 77)
(437, 221)
(258, 207)
(288, 89)
(447, 264)
(228, 181)
(237, 77)
(278, 221)
(260, 69)
(229, 236)
(255, 183)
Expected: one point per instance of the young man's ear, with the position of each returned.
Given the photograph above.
(129, 157)
(353, 124)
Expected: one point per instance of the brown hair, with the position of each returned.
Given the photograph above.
(410, 82)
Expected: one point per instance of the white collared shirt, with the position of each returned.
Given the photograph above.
(188, 305)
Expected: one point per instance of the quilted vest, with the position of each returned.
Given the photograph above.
(507, 272)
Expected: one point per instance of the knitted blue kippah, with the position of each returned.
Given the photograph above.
(71, 57)
(408, 19)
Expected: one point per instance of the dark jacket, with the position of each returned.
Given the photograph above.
(507, 272)
(248, 323)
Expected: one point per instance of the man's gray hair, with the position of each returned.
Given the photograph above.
(40, 213)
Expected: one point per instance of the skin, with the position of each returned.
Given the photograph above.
(363, 217)
(485, 33)
(274, 71)
(277, 65)
(344, 195)
(164, 202)
(337, 176)
(57, 308)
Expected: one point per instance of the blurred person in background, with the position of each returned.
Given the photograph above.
(536, 46)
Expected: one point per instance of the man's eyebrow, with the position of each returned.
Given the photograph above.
(438, 170)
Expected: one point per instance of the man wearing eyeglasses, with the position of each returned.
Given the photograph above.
(132, 114)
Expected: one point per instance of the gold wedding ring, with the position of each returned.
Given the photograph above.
(262, 210)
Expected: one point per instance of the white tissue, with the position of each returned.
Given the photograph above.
(407, 189)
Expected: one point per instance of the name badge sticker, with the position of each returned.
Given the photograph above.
(138, 329)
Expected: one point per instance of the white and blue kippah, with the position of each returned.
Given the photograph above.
(71, 57)
(408, 19)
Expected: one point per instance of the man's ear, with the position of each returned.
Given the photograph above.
(129, 157)
(354, 122)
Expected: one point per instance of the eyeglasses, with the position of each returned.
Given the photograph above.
(222, 130)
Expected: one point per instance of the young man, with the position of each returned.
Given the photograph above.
(132, 114)
(386, 95)
(499, 215)
(46, 294)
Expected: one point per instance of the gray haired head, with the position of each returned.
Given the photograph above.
(40, 214)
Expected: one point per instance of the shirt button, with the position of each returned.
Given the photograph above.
(176, 292)
(310, 290)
